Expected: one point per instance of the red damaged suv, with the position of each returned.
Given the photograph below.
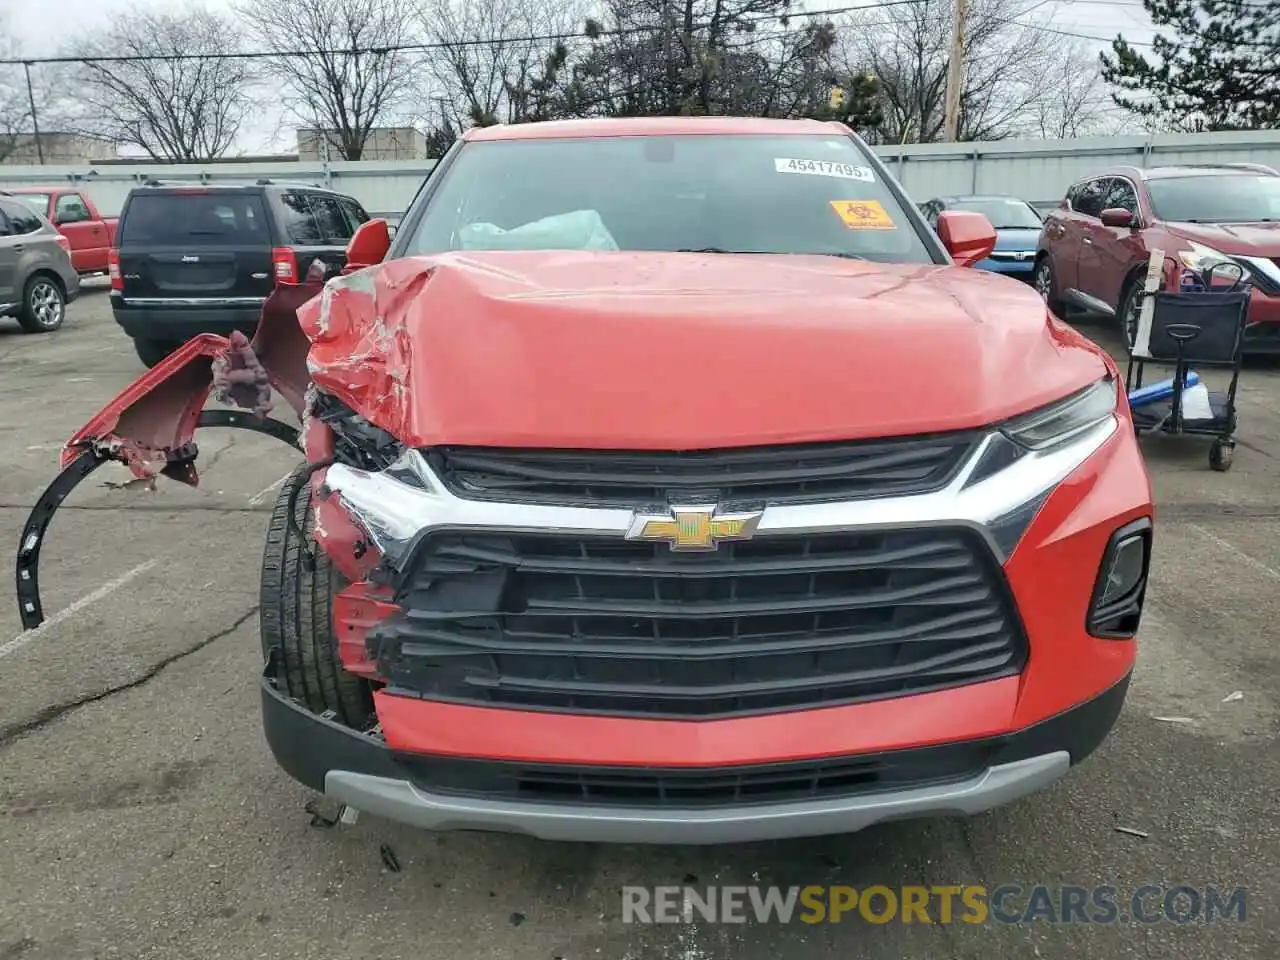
(669, 480)
(1094, 248)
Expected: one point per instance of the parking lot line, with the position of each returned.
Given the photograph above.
(28, 636)
(1236, 551)
(261, 495)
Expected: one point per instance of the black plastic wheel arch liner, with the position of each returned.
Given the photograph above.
(36, 528)
(150, 425)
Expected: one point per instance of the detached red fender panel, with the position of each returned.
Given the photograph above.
(150, 425)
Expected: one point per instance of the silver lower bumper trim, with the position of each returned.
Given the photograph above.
(401, 801)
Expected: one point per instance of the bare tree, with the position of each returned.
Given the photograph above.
(1073, 102)
(339, 61)
(494, 58)
(178, 99)
(907, 47)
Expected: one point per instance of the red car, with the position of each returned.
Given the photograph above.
(90, 234)
(669, 480)
(1094, 248)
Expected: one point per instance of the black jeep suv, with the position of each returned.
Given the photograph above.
(202, 259)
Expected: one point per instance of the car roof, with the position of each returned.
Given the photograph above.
(1183, 170)
(654, 127)
(175, 186)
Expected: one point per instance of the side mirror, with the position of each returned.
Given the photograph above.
(1117, 217)
(969, 237)
(368, 245)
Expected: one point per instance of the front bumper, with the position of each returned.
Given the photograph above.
(1022, 269)
(362, 771)
(1262, 335)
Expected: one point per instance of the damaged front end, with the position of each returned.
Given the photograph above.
(150, 426)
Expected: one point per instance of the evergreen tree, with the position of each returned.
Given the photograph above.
(1219, 71)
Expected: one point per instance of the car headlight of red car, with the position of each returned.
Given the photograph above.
(1069, 417)
(1046, 435)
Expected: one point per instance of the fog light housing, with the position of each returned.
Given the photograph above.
(1116, 607)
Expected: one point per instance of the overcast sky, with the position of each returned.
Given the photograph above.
(42, 27)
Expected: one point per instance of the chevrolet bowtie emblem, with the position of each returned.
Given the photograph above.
(694, 528)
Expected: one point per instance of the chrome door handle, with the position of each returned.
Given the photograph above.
(1088, 240)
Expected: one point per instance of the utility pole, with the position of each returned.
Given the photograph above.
(35, 116)
(955, 71)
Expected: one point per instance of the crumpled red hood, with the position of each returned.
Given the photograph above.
(683, 351)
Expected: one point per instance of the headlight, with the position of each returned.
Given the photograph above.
(1201, 258)
(1060, 421)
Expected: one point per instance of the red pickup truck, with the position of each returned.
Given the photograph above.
(74, 214)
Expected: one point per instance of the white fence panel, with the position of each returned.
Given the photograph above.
(1036, 170)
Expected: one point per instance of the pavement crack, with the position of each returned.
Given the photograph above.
(51, 713)
(217, 454)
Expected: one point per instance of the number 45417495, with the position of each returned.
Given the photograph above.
(824, 168)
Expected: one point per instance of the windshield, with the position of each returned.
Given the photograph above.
(1005, 213)
(38, 200)
(1229, 198)
(748, 194)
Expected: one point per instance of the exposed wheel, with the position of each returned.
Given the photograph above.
(1047, 286)
(1129, 313)
(152, 352)
(1221, 454)
(43, 305)
(296, 615)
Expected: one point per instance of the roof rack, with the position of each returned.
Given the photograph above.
(1234, 165)
(268, 182)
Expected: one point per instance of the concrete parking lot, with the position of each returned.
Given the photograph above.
(141, 815)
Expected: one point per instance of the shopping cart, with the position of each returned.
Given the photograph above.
(1203, 324)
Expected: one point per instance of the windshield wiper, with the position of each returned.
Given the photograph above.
(776, 253)
(713, 250)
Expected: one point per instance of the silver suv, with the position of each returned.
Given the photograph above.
(37, 280)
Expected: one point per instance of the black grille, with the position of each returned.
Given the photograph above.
(594, 624)
(791, 474)
(823, 779)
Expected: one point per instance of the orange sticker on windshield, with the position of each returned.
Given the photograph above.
(863, 215)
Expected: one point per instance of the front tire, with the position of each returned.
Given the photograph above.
(296, 614)
(1046, 285)
(43, 305)
(1129, 313)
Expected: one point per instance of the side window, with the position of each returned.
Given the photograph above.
(22, 219)
(330, 220)
(299, 220)
(355, 213)
(4, 223)
(70, 208)
(1090, 196)
(1121, 195)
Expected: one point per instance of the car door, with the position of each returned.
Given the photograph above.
(194, 247)
(1086, 207)
(9, 293)
(1060, 237)
(87, 236)
(1114, 251)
